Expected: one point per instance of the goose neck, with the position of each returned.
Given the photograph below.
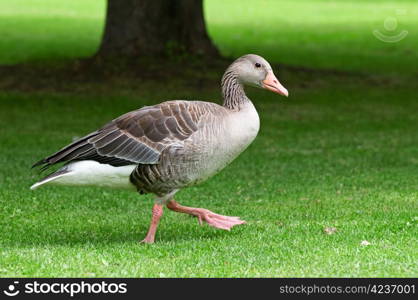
(233, 91)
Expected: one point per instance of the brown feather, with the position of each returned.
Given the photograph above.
(138, 136)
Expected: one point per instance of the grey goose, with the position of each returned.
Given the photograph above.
(163, 148)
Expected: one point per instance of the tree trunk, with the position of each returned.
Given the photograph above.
(155, 28)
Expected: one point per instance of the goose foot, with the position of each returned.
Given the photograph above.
(205, 215)
(147, 240)
(216, 220)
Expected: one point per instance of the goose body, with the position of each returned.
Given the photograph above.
(202, 155)
(220, 138)
(163, 148)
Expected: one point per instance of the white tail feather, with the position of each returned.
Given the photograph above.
(48, 179)
(88, 172)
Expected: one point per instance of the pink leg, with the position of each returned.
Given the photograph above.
(157, 212)
(214, 220)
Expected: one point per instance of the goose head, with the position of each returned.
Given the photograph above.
(255, 71)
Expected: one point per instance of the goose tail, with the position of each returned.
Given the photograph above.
(51, 177)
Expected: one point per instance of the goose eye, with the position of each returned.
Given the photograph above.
(257, 65)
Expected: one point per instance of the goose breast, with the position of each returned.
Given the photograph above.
(224, 141)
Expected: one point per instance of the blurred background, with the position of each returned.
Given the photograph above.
(329, 187)
(319, 33)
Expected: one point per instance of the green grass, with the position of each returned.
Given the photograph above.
(341, 152)
(49, 29)
(320, 33)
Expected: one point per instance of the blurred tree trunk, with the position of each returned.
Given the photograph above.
(155, 28)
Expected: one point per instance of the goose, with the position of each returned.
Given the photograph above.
(164, 148)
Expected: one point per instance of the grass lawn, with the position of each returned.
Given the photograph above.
(341, 152)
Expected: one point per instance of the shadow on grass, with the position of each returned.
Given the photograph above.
(102, 235)
(107, 76)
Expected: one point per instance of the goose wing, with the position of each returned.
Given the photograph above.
(138, 137)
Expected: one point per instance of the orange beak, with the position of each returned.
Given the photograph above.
(272, 84)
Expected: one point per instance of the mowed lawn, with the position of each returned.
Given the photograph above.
(339, 155)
